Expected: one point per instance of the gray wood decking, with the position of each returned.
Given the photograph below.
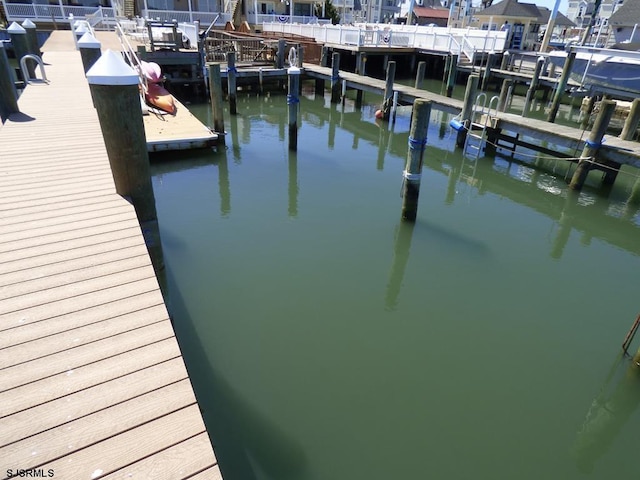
(92, 382)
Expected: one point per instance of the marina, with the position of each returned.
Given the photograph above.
(280, 306)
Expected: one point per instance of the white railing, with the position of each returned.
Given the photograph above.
(455, 40)
(17, 12)
(262, 18)
(205, 18)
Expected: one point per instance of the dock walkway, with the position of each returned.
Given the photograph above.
(92, 381)
(613, 150)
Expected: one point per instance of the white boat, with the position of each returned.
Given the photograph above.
(604, 70)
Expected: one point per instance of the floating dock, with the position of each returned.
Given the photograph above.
(92, 383)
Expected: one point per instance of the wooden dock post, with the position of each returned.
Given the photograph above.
(504, 64)
(114, 85)
(324, 57)
(631, 123)
(413, 170)
(20, 44)
(388, 90)
(533, 86)
(300, 52)
(504, 94)
(453, 71)
(562, 84)
(215, 90)
(89, 50)
(359, 96)
(8, 93)
(486, 76)
(467, 108)
(607, 107)
(231, 82)
(363, 64)
(282, 44)
(422, 67)
(32, 37)
(335, 78)
(293, 73)
(116, 96)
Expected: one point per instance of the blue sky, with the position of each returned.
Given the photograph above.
(549, 4)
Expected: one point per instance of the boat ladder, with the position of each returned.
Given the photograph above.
(28, 79)
(483, 116)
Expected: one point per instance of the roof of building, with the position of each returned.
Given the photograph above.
(513, 8)
(627, 15)
(431, 12)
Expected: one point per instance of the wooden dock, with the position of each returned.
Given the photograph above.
(613, 150)
(92, 381)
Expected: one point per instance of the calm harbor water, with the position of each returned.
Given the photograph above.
(328, 340)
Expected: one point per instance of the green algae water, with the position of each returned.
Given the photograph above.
(327, 340)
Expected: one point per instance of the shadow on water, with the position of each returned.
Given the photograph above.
(247, 443)
(617, 400)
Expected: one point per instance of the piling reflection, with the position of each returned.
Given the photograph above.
(401, 251)
(235, 143)
(608, 413)
(224, 185)
(293, 184)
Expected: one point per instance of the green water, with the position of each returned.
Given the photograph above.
(328, 340)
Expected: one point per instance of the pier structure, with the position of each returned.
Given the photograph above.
(93, 382)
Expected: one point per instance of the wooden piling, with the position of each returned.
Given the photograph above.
(335, 77)
(8, 93)
(363, 64)
(467, 108)
(504, 64)
(20, 44)
(231, 82)
(562, 84)
(89, 51)
(533, 86)
(292, 101)
(586, 113)
(607, 107)
(324, 58)
(504, 94)
(451, 78)
(359, 97)
(413, 170)
(388, 90)
(215, 91)
(300, 52)
(631, 123)
(486, 76)
(422, 67)
(114, 85)
(32, 37)
(282, 44)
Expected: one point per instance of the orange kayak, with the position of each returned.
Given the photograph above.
(159, 97)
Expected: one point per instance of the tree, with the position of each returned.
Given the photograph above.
(330, 11)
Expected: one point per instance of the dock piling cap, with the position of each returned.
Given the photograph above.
(28, 24)
(111, 69)
(16, 29)
(88, 41)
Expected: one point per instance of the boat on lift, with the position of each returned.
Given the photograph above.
(604, 70)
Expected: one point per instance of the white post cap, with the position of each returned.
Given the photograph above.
(28, 24)
(111, 69)
(16, 29)
(88, 41)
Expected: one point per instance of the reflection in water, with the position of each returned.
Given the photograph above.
(235, 144)
(608, 414)
(290, 322)
(223, 182)
(293, 189)
(401, 249)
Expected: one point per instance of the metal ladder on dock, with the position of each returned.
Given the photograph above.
(482, 116)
